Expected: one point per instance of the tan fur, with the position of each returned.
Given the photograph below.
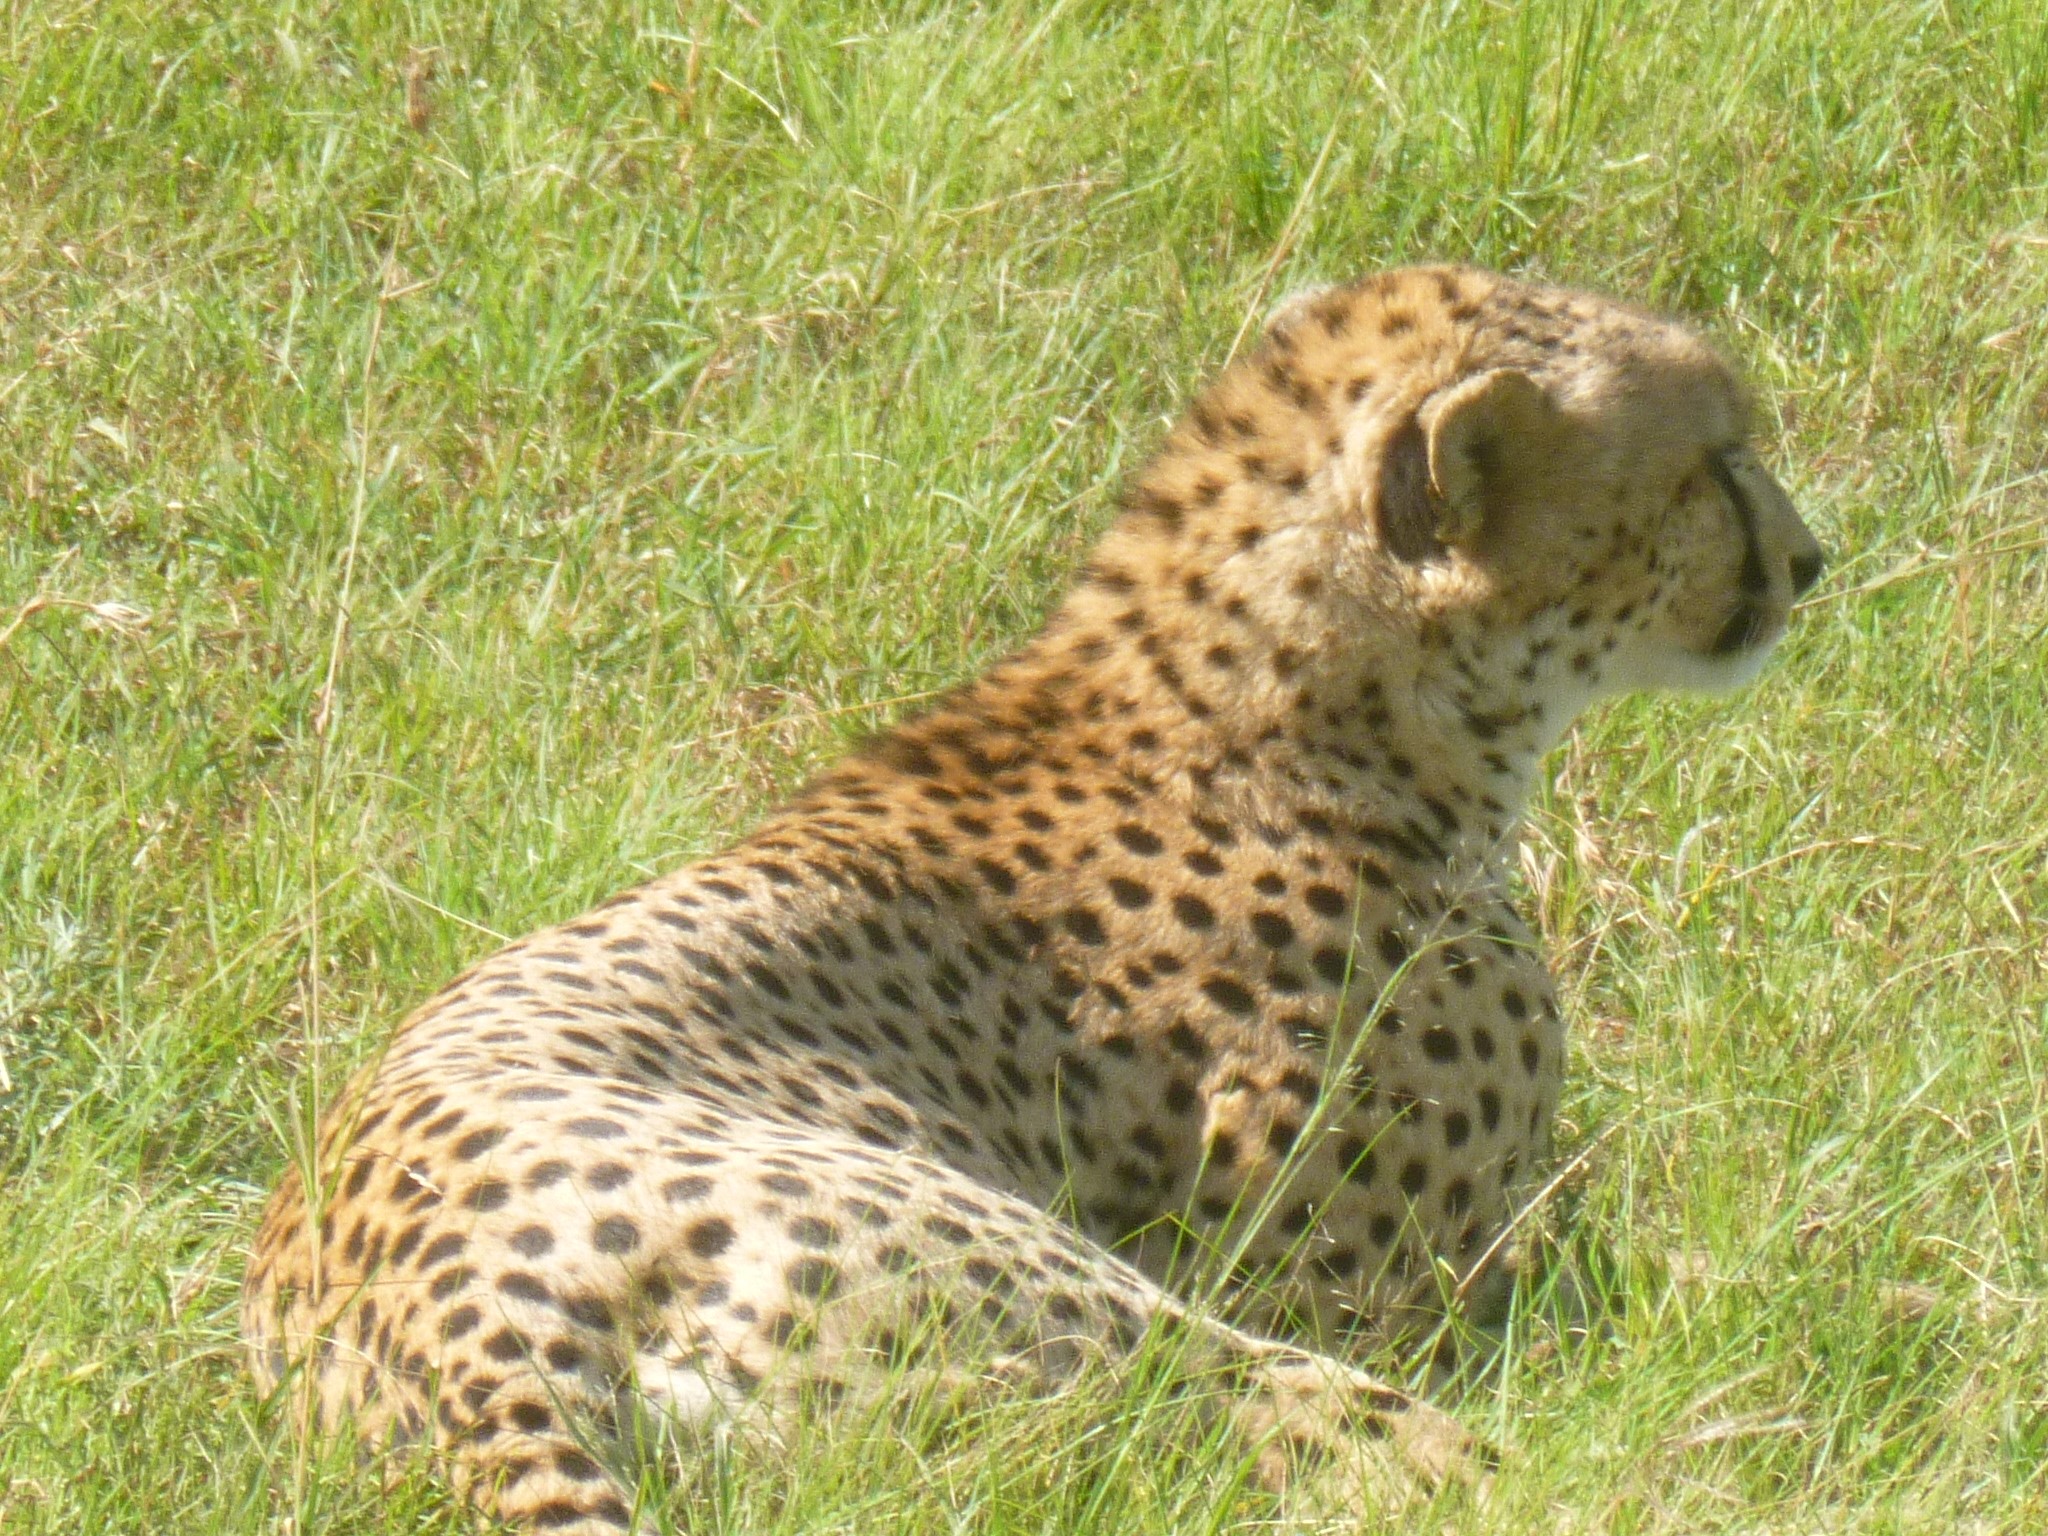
(1177, 949)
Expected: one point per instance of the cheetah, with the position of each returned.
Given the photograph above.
(1166, 977)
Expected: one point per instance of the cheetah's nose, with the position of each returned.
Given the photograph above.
(1806, 568)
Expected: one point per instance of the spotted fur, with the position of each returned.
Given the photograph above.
(1177, 950)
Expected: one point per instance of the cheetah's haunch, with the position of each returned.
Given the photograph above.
(1176, 949)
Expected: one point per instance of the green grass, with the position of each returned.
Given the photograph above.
(699, 387)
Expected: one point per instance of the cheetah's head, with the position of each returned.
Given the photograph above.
(1581, 477)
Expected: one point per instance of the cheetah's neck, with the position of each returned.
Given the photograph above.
(1279, 709)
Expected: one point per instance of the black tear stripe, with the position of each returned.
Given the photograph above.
(1756, 582)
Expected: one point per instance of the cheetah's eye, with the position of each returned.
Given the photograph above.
(1710, 471)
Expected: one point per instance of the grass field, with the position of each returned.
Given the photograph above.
(458, 459)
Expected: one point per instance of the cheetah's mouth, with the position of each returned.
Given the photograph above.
(1749, 627)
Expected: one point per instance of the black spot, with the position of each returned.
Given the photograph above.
(1272, 930)
(443, 1248)
(1357, 1160)
(1299, 1083)
(812, 1277)
(359, 1176)
(1440, 1044)
(771, 983)
(868, 1213)
(521, 1286)
(1079, 1074)
(1230, 994)
(532, 1242)
(1457, 1128)
(1194, 913)
(811, 1232)
(1514, 1004)
(1158, 504)
(950, 1230)
(531, 1417)
(1332, 964)
(461, 1322)
(1327, 900)
(488, 1195)
(505, 1346)
(1489, 1109)
(1340, 1263)
(419, 1112)
(533, 1093)
(1129, 894)
(1393, 948)
(1532, 1055)
(1084, 925)
(541, 1175)
(1138, 839)
(710, 1237)
(1414, 1178)
(408, 1240)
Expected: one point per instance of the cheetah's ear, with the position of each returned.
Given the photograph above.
(1474, 431)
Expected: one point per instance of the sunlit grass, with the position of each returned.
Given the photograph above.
(741, 376)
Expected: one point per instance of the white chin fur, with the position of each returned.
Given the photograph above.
(1689, 672)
